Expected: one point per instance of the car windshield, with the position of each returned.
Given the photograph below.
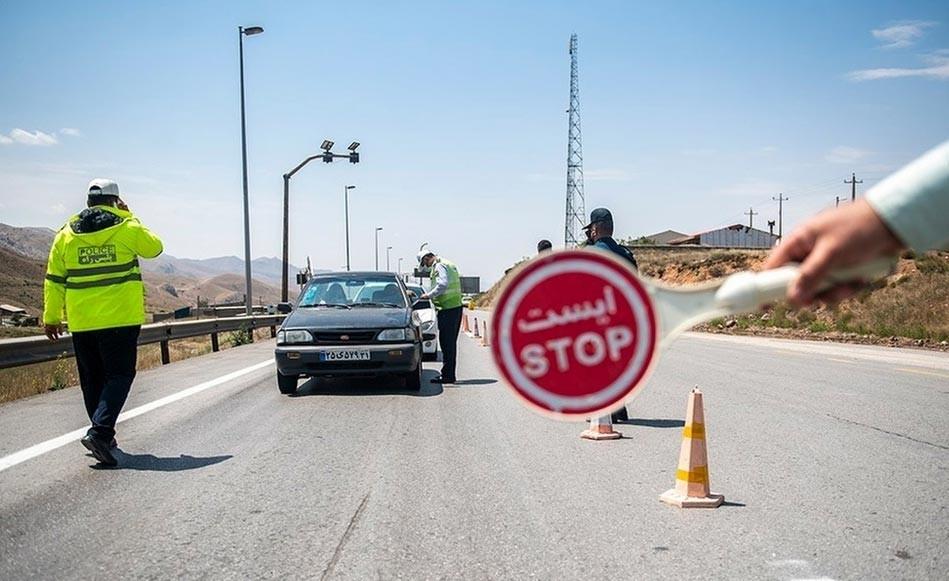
(345, 292)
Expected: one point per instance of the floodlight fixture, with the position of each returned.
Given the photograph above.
(327, 145)
(353, 146)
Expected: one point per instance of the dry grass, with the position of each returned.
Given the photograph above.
(19, 382)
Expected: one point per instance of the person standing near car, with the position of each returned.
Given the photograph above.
(445, 294)
(94, 279)
(600, 235)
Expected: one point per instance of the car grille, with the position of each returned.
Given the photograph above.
(336, 337)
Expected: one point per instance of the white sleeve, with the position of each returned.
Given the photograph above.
(441, 280)
(914, 202)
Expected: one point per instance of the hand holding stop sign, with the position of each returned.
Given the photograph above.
(576, 333)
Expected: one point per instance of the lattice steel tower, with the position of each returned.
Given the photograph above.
(576, 210)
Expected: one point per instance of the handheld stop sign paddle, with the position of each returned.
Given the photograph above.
(577, 332)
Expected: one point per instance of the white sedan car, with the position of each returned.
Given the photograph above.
(429, 325)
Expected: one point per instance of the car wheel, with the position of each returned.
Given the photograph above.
(413, 381)
(287, 384)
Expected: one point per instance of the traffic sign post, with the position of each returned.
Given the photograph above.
(575, 333)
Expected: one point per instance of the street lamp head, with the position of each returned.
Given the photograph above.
(353, 146)
(252, 30)
(350, 187)
(327, 145)
(378, 228)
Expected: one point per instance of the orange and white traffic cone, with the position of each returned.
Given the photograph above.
(692, 483)
(464, 324)
(601, 428)
(476, 335)
(484, 334)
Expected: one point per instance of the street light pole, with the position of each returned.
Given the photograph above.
(388, 248)
(346, 197)
(378, 229)
(248, 293)
(400, 266)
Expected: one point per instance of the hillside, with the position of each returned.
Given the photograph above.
(21, 281)
(29, 242)
(911, 307)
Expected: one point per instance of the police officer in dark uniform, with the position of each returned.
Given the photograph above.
(600, 235)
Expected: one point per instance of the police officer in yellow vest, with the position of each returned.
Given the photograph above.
(93, 278)
(446, 296)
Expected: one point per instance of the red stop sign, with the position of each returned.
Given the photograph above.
(574, 333)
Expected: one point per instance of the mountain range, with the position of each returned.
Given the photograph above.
(170, 282)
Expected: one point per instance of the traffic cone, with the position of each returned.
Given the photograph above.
(464, 324)
(601, 428)
(476, 333)
(484, 334)
(692, 483)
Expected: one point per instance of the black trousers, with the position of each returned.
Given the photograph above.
(106, 361)
(449, 325)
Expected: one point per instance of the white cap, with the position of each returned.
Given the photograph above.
(422, 254)
(103, 187)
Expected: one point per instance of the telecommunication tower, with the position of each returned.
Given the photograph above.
(576, 210)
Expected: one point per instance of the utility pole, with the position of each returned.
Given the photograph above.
(346, 202)
(751, 217)
(853, 183)
(837, 205)
(378, 229)
(780, 199)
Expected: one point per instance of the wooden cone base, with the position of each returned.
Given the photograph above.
(601, 429)
(692, 482)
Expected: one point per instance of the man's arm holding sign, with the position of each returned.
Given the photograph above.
(909, 209)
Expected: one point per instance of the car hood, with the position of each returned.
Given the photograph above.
(358, 318)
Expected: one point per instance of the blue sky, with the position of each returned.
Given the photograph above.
(691, 114)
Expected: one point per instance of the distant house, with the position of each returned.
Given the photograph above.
(665, 237)
(734, 236)
(12, 313)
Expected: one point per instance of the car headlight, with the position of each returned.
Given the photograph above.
(428, 326)
(293, 336)
(396, 335)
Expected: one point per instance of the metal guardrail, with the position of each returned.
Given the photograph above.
(29, 350)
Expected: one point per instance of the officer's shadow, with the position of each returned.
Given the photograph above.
(152, 463)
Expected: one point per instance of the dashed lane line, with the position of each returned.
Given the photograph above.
(59, 442)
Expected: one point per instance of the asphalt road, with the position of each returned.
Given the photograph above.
(834, 461)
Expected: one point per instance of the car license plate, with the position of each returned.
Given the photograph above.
(346, 355)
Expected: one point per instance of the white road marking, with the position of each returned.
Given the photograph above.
(922, 372)
(841, 360)
(50, 445)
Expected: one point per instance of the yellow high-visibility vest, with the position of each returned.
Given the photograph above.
(93, 277)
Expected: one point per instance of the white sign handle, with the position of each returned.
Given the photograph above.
(742, 292)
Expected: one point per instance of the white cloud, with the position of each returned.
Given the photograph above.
(902, 34)
(4, 140)
(844, 154)
(70, 131)
(26, 138)
(938, 69)
(606, 175)
(58, 209)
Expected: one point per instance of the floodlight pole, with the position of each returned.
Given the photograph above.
(284, 291)
(248, 292)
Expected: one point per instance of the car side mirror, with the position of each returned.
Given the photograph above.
(422, 304)
(284, 308)
(412, 295)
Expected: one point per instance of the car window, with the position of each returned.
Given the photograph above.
(352, 290)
